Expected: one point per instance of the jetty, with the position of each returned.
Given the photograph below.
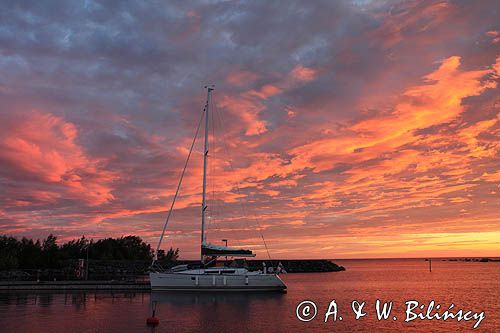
(74, 285)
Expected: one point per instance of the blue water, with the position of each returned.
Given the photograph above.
(469, 285)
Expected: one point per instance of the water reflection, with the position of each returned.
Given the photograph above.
(190, 311)
(233, 298)
(471, 287)
(77, 298)
(199, 310)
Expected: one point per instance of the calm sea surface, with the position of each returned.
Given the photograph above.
(469, 285)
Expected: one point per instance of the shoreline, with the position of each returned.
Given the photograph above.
(126, 278)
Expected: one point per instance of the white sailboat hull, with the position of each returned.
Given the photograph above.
(212, 282)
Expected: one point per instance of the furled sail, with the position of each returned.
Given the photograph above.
(221, 251)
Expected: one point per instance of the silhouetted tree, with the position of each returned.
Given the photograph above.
(76, 248)
(9, 252)
(28, 254)
(171, 255)
(50, 252)
(123, 248)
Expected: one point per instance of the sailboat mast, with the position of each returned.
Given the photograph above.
(205, 157)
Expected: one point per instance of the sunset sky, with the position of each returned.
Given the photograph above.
(344, 129)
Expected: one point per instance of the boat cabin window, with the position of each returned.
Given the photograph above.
(224, 271)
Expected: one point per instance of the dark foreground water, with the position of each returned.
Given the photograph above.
(469, 285)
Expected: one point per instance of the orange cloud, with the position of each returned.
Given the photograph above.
(437, 101)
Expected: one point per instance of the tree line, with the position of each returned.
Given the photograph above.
(47, 253)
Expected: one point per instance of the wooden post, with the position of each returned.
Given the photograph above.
(430, 265)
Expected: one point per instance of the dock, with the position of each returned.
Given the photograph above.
(74, 285)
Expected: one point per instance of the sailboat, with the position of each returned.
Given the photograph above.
(205, 276)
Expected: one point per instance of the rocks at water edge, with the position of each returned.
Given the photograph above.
(299, 266)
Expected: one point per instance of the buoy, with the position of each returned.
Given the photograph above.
(152, 321)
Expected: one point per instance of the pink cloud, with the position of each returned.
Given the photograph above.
(302, 73)
(241, 78)
(42, 146)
